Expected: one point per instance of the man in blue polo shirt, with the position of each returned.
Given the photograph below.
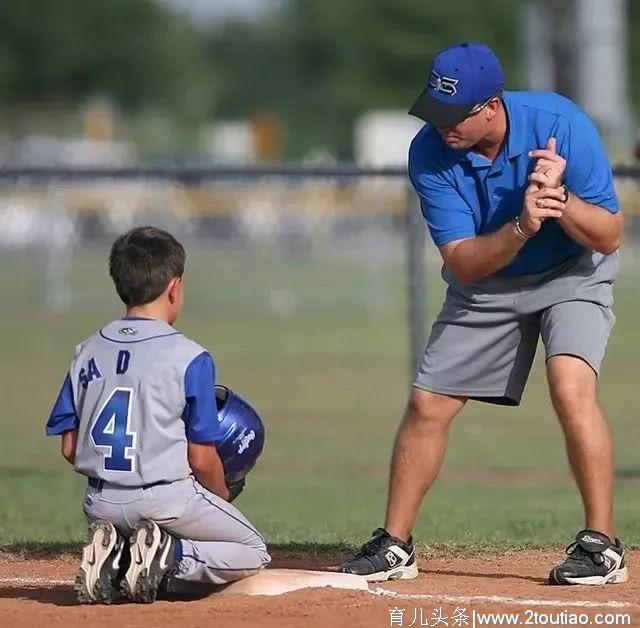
(517, 192)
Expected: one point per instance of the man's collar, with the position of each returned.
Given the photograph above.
(516, 140)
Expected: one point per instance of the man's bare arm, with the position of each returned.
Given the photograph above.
(592, 226)
(471, 259)
(474, 258)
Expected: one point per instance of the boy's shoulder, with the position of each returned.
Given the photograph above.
(191, 347)
(146, 335)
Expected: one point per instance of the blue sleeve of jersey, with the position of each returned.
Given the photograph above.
(588, 173)
(201, 412)
(63, 417)
(447, 215)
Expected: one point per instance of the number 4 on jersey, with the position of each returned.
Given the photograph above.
(111, 431)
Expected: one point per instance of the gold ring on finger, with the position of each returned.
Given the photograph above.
(540, 203)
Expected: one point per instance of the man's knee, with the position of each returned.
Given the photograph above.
(432, 410)
(573, 399)
(572, 385)
(569, 401)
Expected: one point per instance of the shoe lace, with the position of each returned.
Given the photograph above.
(373, 545)
(578, 553)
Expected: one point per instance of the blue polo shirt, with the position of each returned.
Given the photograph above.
(463, 194)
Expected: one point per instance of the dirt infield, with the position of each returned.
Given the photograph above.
(455, 592)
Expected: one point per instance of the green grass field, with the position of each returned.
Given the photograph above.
(330, 379)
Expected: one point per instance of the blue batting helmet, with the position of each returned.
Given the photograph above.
(243, 438)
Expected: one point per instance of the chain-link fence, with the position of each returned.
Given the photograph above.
(304, 285)
(301, 263)
(282, 242)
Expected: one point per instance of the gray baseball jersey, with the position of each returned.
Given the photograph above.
(136, 392)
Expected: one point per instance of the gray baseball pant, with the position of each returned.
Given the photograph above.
(219, 545)
(484, 340)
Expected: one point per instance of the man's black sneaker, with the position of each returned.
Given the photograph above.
(384, 557)
(152, 561)
(104, 559)
(592, 559)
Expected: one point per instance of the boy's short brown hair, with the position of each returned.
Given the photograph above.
(142, 263)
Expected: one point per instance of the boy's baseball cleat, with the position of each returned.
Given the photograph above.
(384, 557)
(152, 560)
(592, 559)
(101, 567)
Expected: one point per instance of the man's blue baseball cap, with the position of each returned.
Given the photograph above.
(462, 77)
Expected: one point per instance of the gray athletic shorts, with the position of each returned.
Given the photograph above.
(484, 340)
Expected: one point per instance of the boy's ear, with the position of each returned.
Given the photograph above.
(172, 289)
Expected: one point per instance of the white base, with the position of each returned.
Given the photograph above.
(279, 581)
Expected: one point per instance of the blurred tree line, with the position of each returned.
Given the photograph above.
(56, 56)
(67, 50)
(318, 65)
(315, 65)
